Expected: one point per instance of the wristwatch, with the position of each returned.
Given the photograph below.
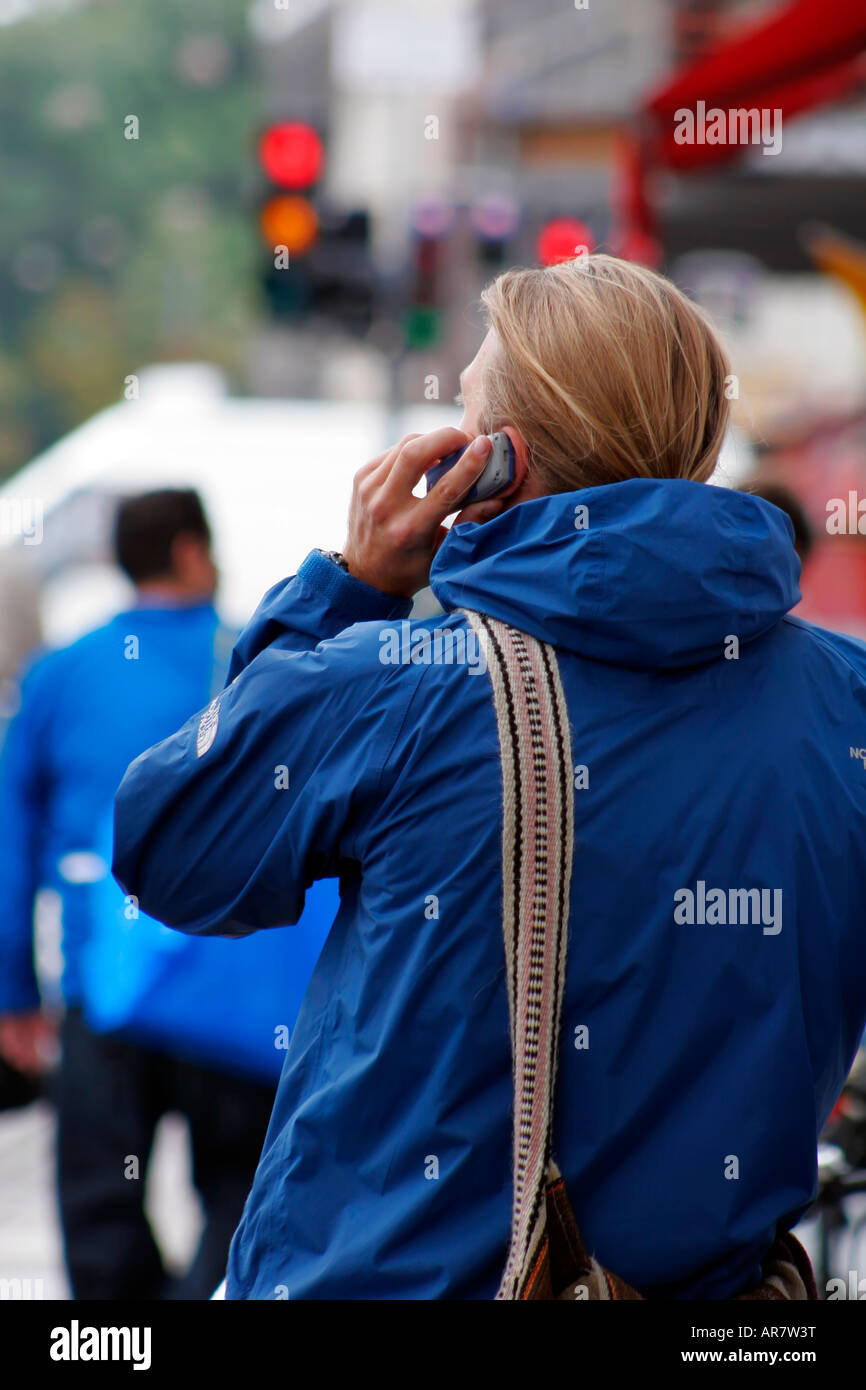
(336, 558)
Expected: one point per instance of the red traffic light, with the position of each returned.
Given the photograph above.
(563, 239)
(291, 154)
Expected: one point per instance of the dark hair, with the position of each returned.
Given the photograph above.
(146, 527)
(784, 499)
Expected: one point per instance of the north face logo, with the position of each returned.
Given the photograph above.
(207, 729)
(861, 754)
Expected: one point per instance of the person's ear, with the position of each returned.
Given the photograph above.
(521, 461)
(188, 553)
(181, 552)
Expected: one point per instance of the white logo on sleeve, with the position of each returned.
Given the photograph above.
(207, 728)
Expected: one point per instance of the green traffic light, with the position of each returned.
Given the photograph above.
(422, 326)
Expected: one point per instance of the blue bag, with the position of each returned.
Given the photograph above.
(227, 1003)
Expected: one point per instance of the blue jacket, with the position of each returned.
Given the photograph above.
(85, 711)
(717, 740)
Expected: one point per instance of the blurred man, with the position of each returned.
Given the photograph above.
(787, 501)
(86, 710)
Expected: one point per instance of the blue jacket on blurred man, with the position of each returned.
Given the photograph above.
(85, 711)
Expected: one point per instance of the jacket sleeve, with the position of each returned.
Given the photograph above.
(222, 827)
(22, 811)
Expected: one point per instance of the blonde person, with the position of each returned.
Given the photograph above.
(714, 988)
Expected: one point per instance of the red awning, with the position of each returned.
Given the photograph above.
(802, 56)
(797, 41)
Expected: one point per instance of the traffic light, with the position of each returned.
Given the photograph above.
(494, 220)
(290, 221)
(318, 257)
(563, 239)
(344, 280)
(422, 319)
(291, 155)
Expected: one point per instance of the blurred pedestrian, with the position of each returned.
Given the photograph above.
(787, 502)
(666, 769)
(85, 711)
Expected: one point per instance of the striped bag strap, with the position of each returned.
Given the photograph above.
(537, 852)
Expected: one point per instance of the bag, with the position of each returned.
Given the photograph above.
(547, 1258)
(226, 1003)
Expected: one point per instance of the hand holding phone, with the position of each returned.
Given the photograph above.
(392, 534)
(498, 471)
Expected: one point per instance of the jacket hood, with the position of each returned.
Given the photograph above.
(653, 573)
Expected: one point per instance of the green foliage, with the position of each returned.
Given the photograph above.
(114, 251)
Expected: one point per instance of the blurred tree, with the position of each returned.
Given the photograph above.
(116, 251)
(73, 343)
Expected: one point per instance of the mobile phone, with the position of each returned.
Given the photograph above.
(498, 471)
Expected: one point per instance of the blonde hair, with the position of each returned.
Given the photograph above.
(607, 370)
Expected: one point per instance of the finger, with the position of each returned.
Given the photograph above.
(389, 454)
(421, 453)
(452, 487)
(481, 511)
